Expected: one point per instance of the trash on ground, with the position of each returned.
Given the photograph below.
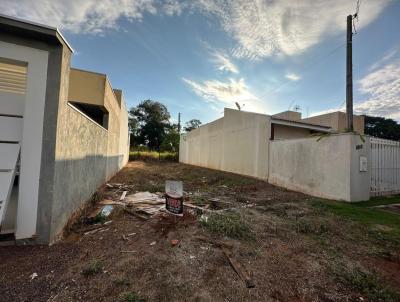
(174, 242)
(33, 276)
(106, 210)
(153, 243)
(123, 195)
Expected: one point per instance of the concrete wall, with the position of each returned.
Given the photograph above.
(288, 132)
(337, 121)
(87, 154)
(328, 168)
(237, 143)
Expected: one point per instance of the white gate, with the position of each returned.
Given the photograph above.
(385, 167)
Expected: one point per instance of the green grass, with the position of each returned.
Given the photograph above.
(377, 201)
(229, 224)
(365, 282)
(153, 156)
(373, 218)
(94, 267)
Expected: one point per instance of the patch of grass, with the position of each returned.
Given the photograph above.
(371, 217)
(94, 267)
(229, 224)
(378, 201)
(313, 226)
(153, 156)
(131, 297)
(366, 283)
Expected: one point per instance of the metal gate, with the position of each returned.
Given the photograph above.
(385, 167)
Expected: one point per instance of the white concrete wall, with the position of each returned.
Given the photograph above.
(236, 143)
(31, 146)
(328, 168)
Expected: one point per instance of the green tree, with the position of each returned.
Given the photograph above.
(382, 127)
(149, 124)
(192, 124)
(171, 140)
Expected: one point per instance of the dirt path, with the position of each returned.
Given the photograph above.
(293, 250)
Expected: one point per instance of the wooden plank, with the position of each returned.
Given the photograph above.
(243, 274)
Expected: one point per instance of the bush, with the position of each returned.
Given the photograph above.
(153, 156)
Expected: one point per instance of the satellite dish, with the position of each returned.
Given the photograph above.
(238, 106)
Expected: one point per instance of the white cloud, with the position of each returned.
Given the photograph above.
(173, 7)
(292, 76)
(227, 93)
(284, 27)
(223, 63)
(382, 90)
(76, 16)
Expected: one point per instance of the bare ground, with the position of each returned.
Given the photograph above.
(296, 252)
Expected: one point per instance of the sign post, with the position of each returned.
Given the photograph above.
(174, 197)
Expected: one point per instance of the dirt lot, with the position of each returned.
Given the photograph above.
(295, 248)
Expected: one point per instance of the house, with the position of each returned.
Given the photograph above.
(63, 131)
(282, 149)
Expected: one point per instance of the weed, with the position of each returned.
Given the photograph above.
(229, 224)
(131, 297)
(365, 282)
(315, 226)
(93, 268)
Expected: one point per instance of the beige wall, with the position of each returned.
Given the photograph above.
(337, 121)
(288, 115)
(87, 154)
(237, 143)
(327, 168)
(86, 87)
(288, 132)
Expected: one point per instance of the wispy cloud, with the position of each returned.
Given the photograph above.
(292, 76)
(227, 93)
(223, 62)
(381, 89)
(89, 16)
(284, 27)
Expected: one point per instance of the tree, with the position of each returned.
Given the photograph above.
(382, 127)
(191, 125)
(149, 124)
(171, 140)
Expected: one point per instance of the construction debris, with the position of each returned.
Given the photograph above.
(123, 195)
(174, 242)
(238, 268)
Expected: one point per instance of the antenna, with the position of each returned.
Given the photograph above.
(238, 106)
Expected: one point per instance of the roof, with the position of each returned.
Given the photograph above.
(32, 29)
(300, 124)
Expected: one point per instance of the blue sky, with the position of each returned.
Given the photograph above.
(200, 56)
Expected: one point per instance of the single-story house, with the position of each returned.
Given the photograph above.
(262, 146)
(63, 131)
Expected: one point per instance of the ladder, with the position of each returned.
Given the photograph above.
(10, 148)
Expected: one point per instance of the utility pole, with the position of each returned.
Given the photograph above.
(179, 123)
(349, 74)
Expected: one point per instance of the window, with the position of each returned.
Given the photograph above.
(98, 114)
